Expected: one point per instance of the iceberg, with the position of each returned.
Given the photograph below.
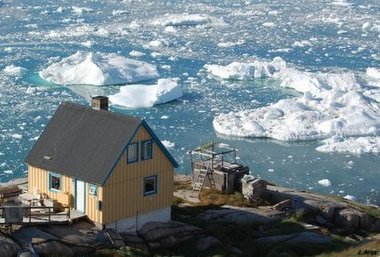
(246, 71)
(135, 96)
(332, 104)
(373, 73)
(14, 70)
(324, 182)
(353, 145)
(98, 69)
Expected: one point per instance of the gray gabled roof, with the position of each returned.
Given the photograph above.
(83, 143)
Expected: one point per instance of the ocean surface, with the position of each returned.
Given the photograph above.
(180, 38)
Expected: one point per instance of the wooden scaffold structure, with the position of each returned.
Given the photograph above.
(214, 165)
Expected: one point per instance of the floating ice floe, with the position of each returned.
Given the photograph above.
(352, 145)
(373, 73)
(16, 136)
(350, 197)
(324, 182)
(98, 69)
(168, 144)
(80, 10)
(134, 96)
(246, 71)
(185, 19)
(333, 104)
(14, 70)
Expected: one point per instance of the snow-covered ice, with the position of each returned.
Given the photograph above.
(14, 70)
(168, 144)
(134, 96)
(98, 69)
(246, 71)
(332, 104)
(373, 72)
(354, 145)
(185, 19)
(324, 182)
(350, 197)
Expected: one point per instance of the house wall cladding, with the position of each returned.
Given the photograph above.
(124, 191)
(38, 183)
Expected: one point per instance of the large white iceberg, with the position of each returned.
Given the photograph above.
(333, 104)
(246, 71)
(98, 69)
(134, 96)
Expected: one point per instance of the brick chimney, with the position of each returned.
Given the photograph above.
(99, 103)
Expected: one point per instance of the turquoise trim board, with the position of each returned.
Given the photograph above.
(155, 139)
(51, 188)
(154, 191)
(158, 142)
(121, 154)
(144, 155)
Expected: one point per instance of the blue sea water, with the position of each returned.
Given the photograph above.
(339, 35)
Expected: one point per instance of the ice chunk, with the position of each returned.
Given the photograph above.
(350, 197)
(324, 182)
(269, 24)
(168, 144)
(14, 70)
(373, 72)
(80, 10)
(98, 69)
(135, 53)
(353, 145)
(134, 96)
(246, 71)
(16, 136)
(184, 19)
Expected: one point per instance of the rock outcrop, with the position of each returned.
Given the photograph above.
(168, 234)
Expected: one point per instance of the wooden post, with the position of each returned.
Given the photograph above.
(30, 214)
(49, 215)
(68, 213)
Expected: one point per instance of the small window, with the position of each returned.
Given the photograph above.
(146, 150)
(150, 185)
(93, 190)
(132, 153)
(54, 182)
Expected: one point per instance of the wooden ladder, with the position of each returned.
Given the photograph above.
(204, 172)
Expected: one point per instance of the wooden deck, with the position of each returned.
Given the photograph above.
(37, 215)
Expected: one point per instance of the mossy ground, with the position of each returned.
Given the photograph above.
(242, 238)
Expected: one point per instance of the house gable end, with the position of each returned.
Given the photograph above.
(122, 156)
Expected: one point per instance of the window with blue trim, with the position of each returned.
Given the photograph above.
(146, 150)
(132, 153)
(54, 182)
(150, 185)
(93, 189)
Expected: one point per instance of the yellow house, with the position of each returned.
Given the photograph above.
(110, 166)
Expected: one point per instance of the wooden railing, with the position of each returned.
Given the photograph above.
(33, 214)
